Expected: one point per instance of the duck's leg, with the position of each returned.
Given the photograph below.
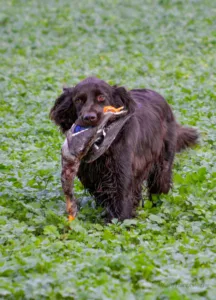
(70, 166)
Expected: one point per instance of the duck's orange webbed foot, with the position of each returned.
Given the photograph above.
(112, 109)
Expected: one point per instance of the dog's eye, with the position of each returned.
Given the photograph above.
(100, 98)
(78, 100)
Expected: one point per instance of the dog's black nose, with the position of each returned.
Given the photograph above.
(90, 117)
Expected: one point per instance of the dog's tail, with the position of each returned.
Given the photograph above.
(186, 137)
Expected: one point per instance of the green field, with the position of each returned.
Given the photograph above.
(167, 252)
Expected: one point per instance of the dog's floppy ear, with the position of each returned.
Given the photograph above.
(122, 97)
(63, 113)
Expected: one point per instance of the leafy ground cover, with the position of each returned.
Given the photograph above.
(167, 252)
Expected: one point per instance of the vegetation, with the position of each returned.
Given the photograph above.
(168, 251)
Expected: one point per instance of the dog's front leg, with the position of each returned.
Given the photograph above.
(123, 196)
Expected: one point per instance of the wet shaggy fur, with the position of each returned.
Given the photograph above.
(144, 149)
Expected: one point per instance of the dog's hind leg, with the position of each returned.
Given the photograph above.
(160, 178)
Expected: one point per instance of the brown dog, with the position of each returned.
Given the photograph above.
(143, 150)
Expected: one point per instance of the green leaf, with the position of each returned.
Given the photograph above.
(156, 218)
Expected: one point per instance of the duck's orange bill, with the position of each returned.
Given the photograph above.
(112, 109)
(71, 218)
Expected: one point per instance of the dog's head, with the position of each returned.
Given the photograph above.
(85, 102)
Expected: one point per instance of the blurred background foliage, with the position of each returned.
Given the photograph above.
(167, 252)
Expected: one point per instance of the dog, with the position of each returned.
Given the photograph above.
(142, 151)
